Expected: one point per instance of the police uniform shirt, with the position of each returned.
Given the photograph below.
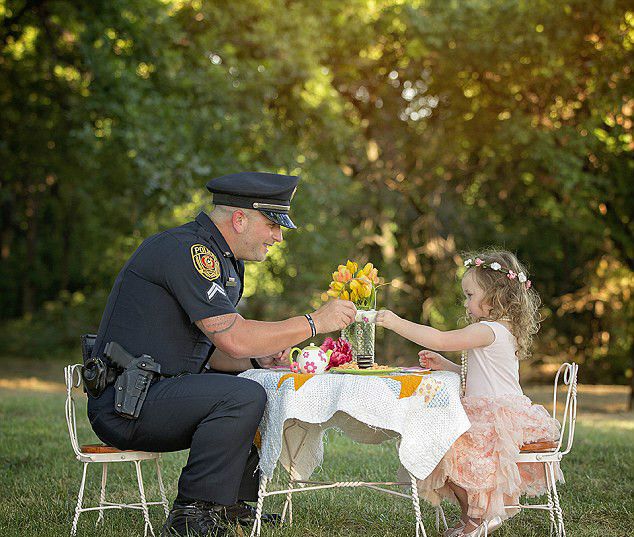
(174, 278)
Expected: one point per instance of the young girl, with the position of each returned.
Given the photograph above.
(479, 471)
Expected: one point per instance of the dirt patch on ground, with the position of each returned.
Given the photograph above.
(31, 384)
(594, 401)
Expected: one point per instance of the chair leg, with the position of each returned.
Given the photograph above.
(146, 514)
(102, 495)
(80, 498)
(551, 505)
(561, 530)
(420, 528)
(288, 504)
(440, 515)
(159, 476)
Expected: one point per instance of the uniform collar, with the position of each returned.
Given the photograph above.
(214, 233)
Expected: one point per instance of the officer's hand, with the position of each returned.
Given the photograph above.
(280, 358)
(334, 315)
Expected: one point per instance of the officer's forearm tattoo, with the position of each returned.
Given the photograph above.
(218, 325)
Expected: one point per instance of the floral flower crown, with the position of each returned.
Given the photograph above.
(521, 277)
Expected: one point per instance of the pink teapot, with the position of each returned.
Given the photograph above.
(310, 359)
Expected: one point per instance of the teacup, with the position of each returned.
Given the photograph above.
(365, 316)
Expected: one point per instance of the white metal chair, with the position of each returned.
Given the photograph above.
(550, 453)
(103, 454)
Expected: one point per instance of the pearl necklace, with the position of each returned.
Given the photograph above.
(463, 372)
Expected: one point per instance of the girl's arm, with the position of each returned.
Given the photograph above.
(470, 337)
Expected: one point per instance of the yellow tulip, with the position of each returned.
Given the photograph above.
(365, 270)
(351, 266)
(344, 295)
(365, 290)
(333, 293)
(355, 284)
(338, 286)
(354, 296)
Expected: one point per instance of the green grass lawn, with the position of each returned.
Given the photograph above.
(39, 480)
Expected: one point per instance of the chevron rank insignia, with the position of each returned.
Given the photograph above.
(213, 290)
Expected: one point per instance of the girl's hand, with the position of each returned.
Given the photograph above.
(433, 360)
(386, 319)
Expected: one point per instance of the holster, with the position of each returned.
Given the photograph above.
(131, 386)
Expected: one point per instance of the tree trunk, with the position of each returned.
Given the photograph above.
(29, 284)
(630, 406)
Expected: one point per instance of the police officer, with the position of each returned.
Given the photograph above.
(175, 300)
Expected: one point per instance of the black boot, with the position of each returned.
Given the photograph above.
(194, 519)
(243, 513)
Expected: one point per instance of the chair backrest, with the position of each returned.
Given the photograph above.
(72, 375)
(566, 412)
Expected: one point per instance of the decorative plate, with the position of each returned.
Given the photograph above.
(366, 371)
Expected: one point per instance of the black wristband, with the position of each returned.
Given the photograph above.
(255, 364)
(313, 329)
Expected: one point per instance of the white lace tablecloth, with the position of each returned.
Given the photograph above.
(424, 411)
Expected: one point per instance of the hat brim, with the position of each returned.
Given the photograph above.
(279, 218)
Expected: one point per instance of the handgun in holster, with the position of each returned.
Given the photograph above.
(133, 383)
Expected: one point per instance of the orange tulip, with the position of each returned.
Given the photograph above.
(342, 275)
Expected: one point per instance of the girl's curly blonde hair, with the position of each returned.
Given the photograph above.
(508, 298)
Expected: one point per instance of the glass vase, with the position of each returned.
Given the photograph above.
(360, 334)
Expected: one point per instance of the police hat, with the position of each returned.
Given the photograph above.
(269, 193)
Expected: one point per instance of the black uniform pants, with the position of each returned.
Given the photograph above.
(215, 416)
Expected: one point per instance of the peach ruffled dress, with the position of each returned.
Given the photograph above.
(482, 460)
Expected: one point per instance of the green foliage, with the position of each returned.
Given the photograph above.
(420, 129)
(55, 329)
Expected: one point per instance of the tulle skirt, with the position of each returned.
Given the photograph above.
(482, 460)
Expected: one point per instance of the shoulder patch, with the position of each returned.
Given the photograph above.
(205, 261)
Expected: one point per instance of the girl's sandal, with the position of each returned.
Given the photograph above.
(456, 530)
(478, 531)
(483, 530)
